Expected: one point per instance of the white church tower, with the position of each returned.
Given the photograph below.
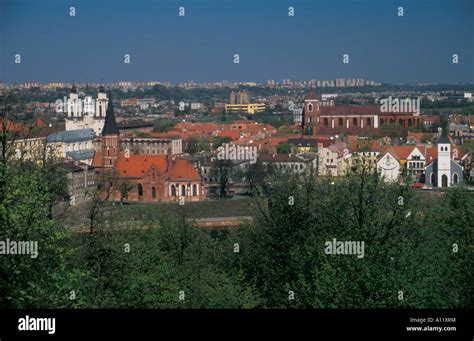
(444, 160)
(100, 110)
(85, 114)
(101, 103)
(74, 108)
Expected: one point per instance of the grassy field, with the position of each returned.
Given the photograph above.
(76, 217)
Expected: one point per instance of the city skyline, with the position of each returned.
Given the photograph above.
(417, 47)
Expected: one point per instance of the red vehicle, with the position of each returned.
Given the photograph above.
(417, 185)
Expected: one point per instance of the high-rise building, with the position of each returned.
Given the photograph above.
(239, 97)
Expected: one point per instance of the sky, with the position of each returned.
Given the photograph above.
(417, 47)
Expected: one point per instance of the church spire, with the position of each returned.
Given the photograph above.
(444, 138)
(110, 125)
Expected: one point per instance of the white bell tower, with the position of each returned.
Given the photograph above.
(444, 160)
(74, 107)
(101, 103)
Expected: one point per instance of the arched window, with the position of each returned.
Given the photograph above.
(382, 122)
(140, 190)
(195, 190)
(341, 122)
(401, 122)
(310, 107)
(153, 192)
(183, 190)
(455, 178)
(354, 122)
(326, 122)
(410, 123)
(444, 180)
(392, 121)
(369, 122)
(173, 191)
(433, 179)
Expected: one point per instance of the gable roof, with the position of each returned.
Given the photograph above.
(137, 165)
(400, 152)
(72, 135)
(183, 170)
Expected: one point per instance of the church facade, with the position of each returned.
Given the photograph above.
(356, 120)
(86, 113)
(443, 171)
(150, 178)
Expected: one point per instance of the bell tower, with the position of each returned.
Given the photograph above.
(110, 137)
(444, 160)
(310, 113)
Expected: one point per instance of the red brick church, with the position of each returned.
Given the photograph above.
(354, 119)
(152, 178)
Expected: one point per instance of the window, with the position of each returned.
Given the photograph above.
(455, 178)
(326, 123)
(444, 180)
(340, 122)
(195, 190)
(369, 122)
(140, 190)
(153, 192)
(354, 122)
(183, 190)
(173, 191)
(310, 107)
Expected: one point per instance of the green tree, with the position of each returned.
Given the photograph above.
(284, 148)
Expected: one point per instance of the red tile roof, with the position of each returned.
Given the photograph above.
(400, 152)
(137, 165)
(234, 135)
(183, 170)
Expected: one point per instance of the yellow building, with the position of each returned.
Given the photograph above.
(250, 108)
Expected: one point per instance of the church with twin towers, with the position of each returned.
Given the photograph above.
(87, 113)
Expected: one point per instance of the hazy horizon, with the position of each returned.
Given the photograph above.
(382, 46)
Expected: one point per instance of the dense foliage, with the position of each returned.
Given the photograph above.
(418, 249)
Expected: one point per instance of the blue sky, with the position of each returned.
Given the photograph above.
(382, 46)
